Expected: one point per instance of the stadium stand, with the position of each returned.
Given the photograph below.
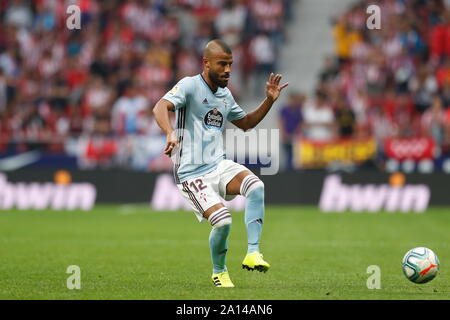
(89, 92)
(390, 84)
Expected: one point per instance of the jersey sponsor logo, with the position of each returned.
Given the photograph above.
(213, 119)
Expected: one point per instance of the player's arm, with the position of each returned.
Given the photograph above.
(273, 90)
(161, 113)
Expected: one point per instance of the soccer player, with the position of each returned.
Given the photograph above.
(202, 104)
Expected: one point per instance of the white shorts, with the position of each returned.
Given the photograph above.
(205, 191)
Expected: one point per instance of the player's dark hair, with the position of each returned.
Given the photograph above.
(223, 45)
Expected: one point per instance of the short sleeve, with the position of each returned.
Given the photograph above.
(179, 93)
(236, 112)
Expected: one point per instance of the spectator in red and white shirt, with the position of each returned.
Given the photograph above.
(268, 17)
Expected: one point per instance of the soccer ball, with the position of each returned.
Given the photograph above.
(420, 265)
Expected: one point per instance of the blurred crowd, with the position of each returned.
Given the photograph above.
(89, 91)
(384, 83)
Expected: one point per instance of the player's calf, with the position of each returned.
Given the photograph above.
(218, 243)
(253, 189)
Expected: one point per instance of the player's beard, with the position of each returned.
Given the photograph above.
(217, 81)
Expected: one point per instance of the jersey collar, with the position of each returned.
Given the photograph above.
(206, 84)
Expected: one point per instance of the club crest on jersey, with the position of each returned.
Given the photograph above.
(214, 119)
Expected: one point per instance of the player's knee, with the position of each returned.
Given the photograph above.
(252, 187)
(220, 218)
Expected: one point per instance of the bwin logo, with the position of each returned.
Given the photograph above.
(41, 196)
(338, 197)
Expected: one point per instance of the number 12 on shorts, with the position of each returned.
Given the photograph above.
(197, 185)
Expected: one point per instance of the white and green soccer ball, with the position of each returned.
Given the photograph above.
(420, 265)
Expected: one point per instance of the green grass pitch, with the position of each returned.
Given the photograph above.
(132, 252)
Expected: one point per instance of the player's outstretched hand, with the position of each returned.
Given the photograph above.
(273, 88)
(171, 143)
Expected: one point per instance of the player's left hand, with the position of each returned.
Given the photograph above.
(273, 88)
(172, 142)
